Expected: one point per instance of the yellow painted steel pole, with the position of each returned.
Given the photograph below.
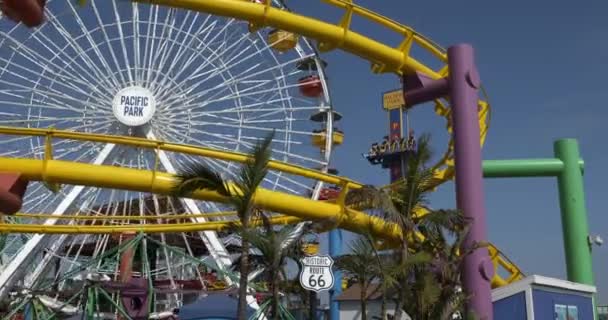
(65, 172)
(392, 59)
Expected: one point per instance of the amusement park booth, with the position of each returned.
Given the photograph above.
(541, 298)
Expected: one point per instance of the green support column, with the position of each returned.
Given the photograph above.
(574, 214)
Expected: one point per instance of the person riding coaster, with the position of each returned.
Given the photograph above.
(411, 141)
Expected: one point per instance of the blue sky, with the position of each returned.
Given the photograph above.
(544, 64)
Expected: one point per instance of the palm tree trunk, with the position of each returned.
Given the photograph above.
(399, 306)
(383, 305)
(401, 295)
(275, 295)
(363, 302)
(244, 270)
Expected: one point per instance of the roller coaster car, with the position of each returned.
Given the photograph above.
(281, 40)
(329, 193)
(30, 12)
(319, 137)
(311, 86)
(213, 283)
(373, 156)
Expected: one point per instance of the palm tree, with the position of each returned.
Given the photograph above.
(360, 265)
(274, 245)
(444, 233)
(388, 271)
(239, 194)
(399, 203)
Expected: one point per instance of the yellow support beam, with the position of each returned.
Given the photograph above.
(119, 218)
(298, 208)
(383, 57)
(75, 173)
(146, 228)
(177, 148)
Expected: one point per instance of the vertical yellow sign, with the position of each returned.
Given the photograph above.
(393, 100)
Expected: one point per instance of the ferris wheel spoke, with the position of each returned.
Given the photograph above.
(107, 39)
(238, 53)
(22, 72)
(192, 59)
(73, 43)
(247, 144)
(60, 152)
(160, 53)
(217, 165)
(272, 90)
(136, 38)
(122, 43)
(52, 251)
(210, 239)
(164, 247)
(243, 76)
(249, 108)
(214, 72)
(147, 47)
(180, 49)
(49, 119)
(153, 53)
(10, 273)
(38, 150)
(201, 67)
(55, 96)
(36, 57)
(114, 83)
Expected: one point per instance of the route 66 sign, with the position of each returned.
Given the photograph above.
(316, 273)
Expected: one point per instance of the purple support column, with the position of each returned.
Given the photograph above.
(463, 86)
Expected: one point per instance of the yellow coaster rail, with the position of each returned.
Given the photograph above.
(297, 208)
(383, 58)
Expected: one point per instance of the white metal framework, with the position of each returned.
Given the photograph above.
(214, 83)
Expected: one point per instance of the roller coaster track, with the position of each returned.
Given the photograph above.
(294, 207)
(383, 58)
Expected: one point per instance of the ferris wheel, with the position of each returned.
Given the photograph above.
(139, 70)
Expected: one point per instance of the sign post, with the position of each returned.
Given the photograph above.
(393, 102)
(316, 273)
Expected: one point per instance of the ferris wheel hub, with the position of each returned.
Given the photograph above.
(134, 106)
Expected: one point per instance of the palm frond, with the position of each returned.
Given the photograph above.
(197, 176)
(436, 224)
(251, 175)
(361, 263)
(370, 198)
(292, 235)
(254, 170)
(429, 292)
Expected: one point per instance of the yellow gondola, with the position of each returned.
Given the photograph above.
(310, 248)
(319, 138)
(281, 40)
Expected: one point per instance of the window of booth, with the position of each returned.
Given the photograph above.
(566, 312)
